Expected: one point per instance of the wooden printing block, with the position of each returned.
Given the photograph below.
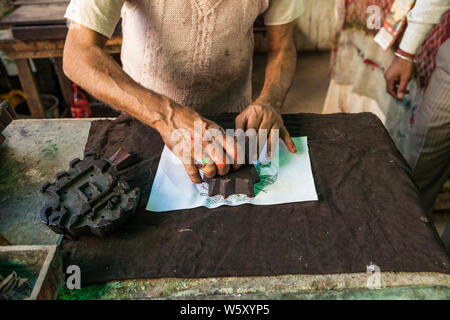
(241, 181)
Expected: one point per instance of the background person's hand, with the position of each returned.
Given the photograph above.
(397, 77)
(258, 117)
(184, 118)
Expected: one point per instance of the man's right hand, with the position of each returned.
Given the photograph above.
(397, 77)
(179, 134)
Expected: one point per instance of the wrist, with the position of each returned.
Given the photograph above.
(167, 110)
(156, 111)
(269, 102)
(405, 56)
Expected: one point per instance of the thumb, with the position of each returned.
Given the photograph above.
(401, 91)
(193, 173)
(286, 137)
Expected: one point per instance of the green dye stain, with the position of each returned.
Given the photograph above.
(88, 293)
(111, 290)
(49, 151)
(12, 177)
(268, 173)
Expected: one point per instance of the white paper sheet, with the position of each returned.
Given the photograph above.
(291, 182)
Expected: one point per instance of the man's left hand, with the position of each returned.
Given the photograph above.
(258, 117)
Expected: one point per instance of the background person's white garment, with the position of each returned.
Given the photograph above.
(424, 15)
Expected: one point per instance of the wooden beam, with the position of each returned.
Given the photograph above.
(42, 32)
(36, 14)
(31, 2)
(47, 48)
(30, 88)
(13, 55)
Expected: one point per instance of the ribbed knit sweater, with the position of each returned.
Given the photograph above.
(196, 52)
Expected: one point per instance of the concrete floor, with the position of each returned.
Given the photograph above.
(310, 86)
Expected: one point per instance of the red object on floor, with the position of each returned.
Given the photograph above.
(79, 104)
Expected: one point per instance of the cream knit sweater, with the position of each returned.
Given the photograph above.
(196, 52)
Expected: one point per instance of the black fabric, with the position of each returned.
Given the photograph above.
(368, 212)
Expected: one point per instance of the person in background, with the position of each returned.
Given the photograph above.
(428, 142)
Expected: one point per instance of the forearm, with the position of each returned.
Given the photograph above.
(280, 72)
(421, 19)
(95, 71)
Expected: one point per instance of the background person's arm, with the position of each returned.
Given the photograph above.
(421, 19)
(87, 64)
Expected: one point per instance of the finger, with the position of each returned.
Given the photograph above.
(269, 141)
(230, 148)
(401, 91)
(236, 165)
(253, 121)
(266, 124)
(390, 85)
(240, 122)
(239, 152)
(219, 158)
(222, 168)
(193, 173)
(210, 170)
(227, 145)
(214, 148)
(286, 137)
(253, 124)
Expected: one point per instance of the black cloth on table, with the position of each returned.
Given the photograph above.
(368, 212)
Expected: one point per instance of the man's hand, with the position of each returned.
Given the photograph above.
(264, 113)
(397, 77)
(258, 117)
(182, 128)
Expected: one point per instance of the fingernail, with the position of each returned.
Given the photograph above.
(293, 148)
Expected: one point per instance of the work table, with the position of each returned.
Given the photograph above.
(35, 150)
